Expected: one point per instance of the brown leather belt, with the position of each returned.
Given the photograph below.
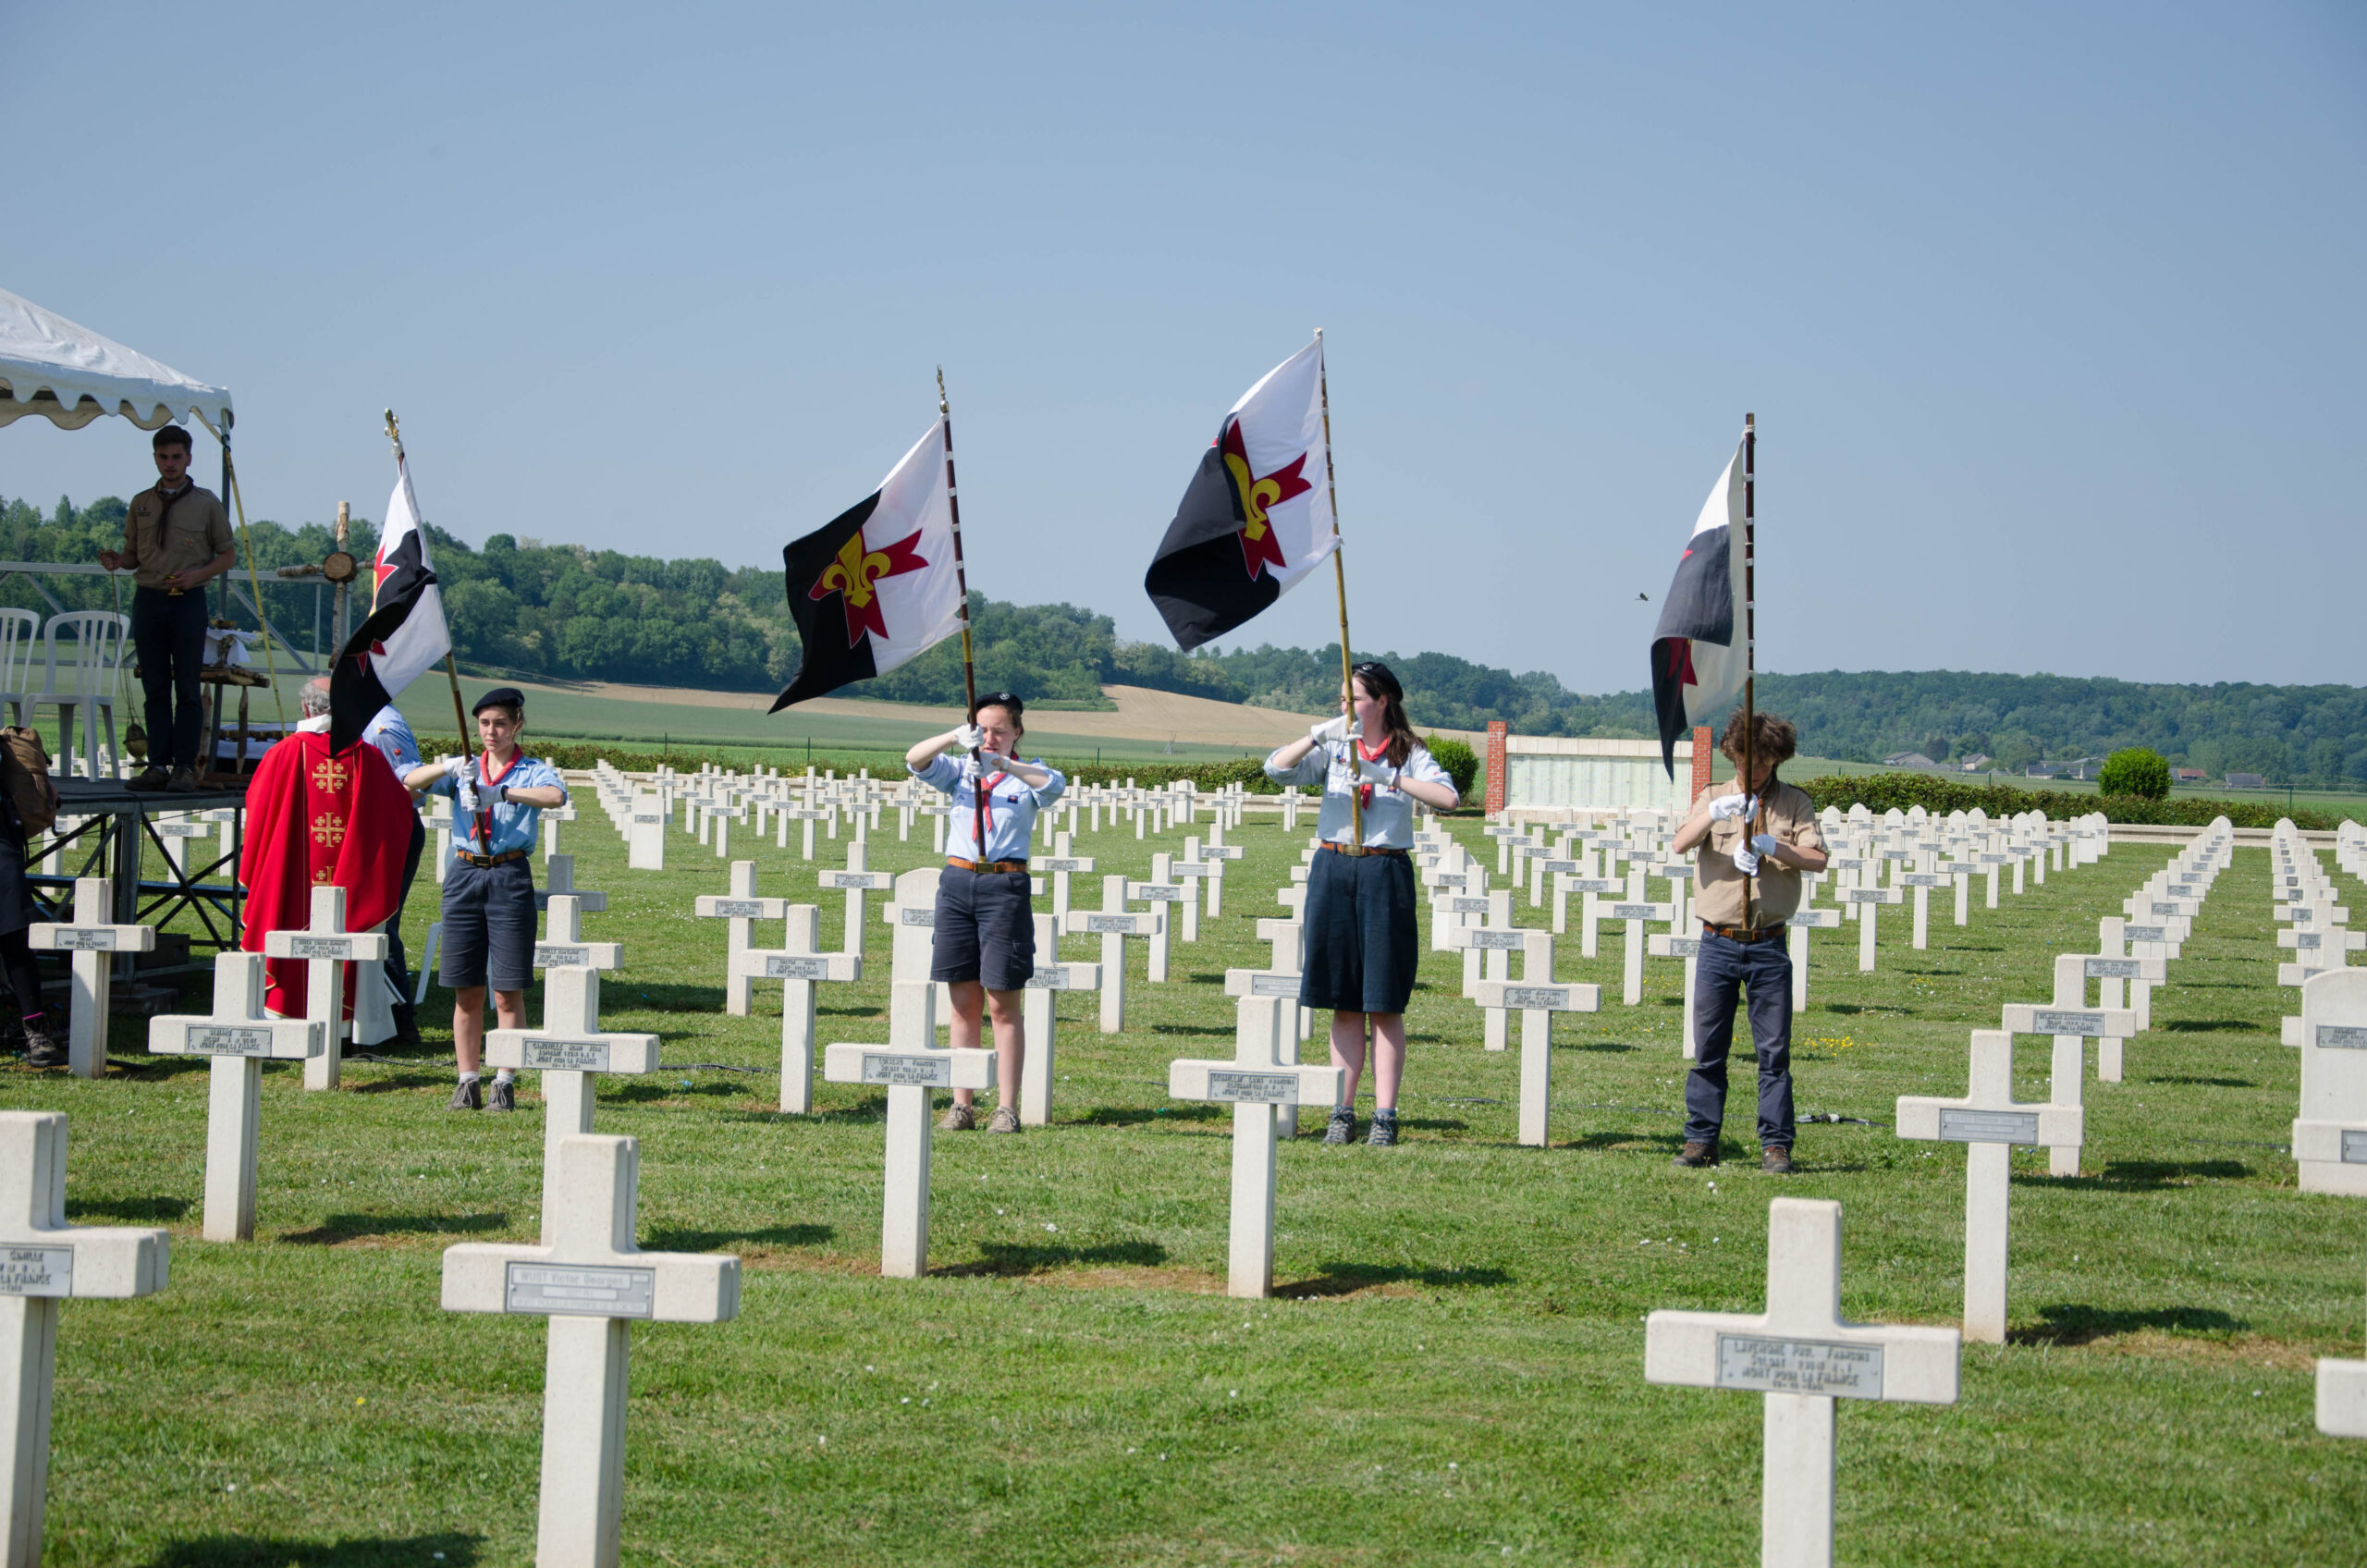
(504, 858)
(985, 867)
(1741, 933)
(1355, 849)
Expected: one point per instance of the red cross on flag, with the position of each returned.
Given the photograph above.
(403, 636)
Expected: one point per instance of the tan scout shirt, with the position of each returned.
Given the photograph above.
(1775, 891)
(195, 532)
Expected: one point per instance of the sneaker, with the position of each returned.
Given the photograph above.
(1005, 1121)
(958, 1117)
(1342, 1128)
(148, 779)
(1695, 1156)
(1775, 1159)
(184, 782)
(505, 1095)
(41, 1050)
(1384, 1130)
(469, 1095)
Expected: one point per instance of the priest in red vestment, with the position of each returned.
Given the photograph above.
(314, 820)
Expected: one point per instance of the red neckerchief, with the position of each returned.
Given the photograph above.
(1364, 791)
(986, 811)
(484, 817)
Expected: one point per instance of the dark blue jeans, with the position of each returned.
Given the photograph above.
(1727, 969)
(170, 635)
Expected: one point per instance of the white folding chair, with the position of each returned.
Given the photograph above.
(85, 683)
(20, 640)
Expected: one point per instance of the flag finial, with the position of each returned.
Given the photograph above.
(942, 408)
(394, 433)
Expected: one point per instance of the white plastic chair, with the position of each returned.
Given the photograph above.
(86, 681)
(19, 639)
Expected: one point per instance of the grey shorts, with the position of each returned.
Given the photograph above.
(985, 928)
(488, 926)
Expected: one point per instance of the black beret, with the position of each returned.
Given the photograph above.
(500, 697)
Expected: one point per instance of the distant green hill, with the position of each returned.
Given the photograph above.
(574, 613)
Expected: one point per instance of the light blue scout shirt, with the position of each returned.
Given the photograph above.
(514, 823)
(390, 732)
(1388, 813)
(1012, 805)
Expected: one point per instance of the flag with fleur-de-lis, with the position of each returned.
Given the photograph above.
(876, 585)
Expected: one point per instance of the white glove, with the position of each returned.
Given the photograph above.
(970, 737)
(457, 769)
(1333, 730)
(1727, 808)
(1746, 862)
(994, 762)
(1766, 843)
(491, 795)
(464, 796)
(1375, 772)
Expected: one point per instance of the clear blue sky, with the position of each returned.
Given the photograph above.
(2052, 315)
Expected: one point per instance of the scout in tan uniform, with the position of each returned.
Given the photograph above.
(1745, 885)
(175, 538)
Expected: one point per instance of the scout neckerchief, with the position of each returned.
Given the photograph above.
(986, 810)
(1364, 791)
(484, 817)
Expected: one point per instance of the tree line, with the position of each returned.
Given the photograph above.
(521, 607)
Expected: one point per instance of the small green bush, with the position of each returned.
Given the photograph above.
(2134, 772)
(1460, 760)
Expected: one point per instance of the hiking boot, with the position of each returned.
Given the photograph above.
(1006, 1121)
(1697, 1157)
(41, 1050)
(1342, 1128)
(958, 1117)
(147, 779)
(1775, 1159)
(1384, 1130)
(467, 1095)
(505, 1095)
(184, 782)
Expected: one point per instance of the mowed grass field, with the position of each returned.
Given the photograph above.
(1451, 1372)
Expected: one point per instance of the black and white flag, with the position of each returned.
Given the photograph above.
(1700, 650)
(404, 634)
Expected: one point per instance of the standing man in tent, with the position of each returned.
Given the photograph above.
(176, 538)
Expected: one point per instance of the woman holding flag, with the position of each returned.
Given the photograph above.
(1362, 949)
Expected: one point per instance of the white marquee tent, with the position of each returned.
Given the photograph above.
(72, 376)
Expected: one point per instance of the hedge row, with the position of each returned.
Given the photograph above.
(1882, 792)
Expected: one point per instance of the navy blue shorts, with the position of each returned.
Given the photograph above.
(985, 928)
(1362, 951)
(488, 926)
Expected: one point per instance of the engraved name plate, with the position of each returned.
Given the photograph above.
(219, 1041)
(2046, 1021)
(1989, 1126)
(2114, 969)
(566, 1056)
(790, 966)
(1254, 1088)
(740, 909)
(2146, 933)
(1535, 998)
(1684, 947)
(554, 1291)
(1509, 940)
(1059, 865)
(923, 917)
(2354, 1148)
(2341, 1037)
(1635, 912)
(36, 1271)
(1466, 906)
(562, 956)
(99, 941)
(1122, 923)
(932, 1072)
(1800, 1367)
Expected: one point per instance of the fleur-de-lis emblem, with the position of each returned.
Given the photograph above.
(852, 574)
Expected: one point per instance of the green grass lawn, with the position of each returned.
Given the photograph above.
(1452, 1367)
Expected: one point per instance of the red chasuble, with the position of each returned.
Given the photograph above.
(316, 820)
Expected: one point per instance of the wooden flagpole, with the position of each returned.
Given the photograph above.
(451, 671)
(1339, 581)
(1750, 639)
(961, 580)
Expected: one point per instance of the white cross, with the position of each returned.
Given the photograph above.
(1114, 924)
(1989, 1121)
(2071, 1025)
(239, 1038)
(798, 964)
(1801, 1354)
(1667, 944)
(1922, 883)
(741, 907)
(2330, 1134)
(856, 881)
(645, 833)
(805, 818)
(43, 1259)
(910, 915)
(2342, 1398)
(1634, 912)
(90, 939)
(1163, 888)
(563, 946)
(567, 1050)
(1256, 1083)
(910, 1070)
(1488, 955)
(1062, 865)
(1215, 852)
(1536, 997)
(1796, 938)
(1869, 902)
(1038, 1021)
(559, 880)
(327, 947)
(590, 1280)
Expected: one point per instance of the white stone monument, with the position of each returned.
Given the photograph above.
(327, 947)
(1039, 1022)
(2330, 1134)
(567, 1050)
(1537, 1000)
(909, 1071)
(93, 942)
